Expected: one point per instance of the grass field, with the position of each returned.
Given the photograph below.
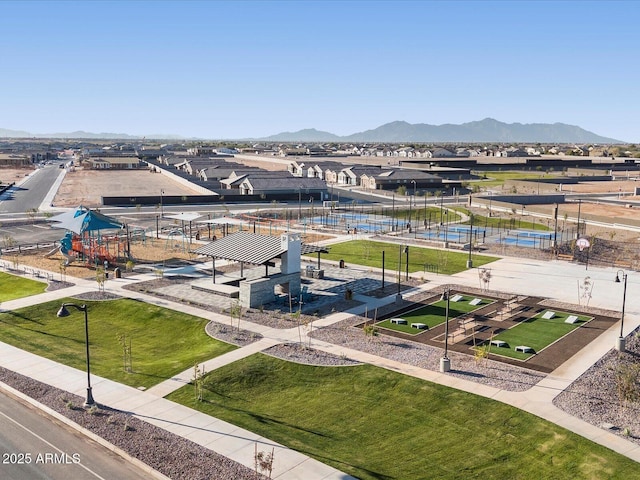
(376, 424)
(14, 286)
(368, 253)
(434, 314)
(536, 333)
(163, 342)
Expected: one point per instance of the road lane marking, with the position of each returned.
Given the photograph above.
(48, 443)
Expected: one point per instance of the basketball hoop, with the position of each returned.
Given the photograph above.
(582, 243)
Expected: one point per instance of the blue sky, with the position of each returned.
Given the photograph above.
(217, 69)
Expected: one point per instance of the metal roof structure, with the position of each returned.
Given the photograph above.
(250, 248)
(244, 247)
(185, 216)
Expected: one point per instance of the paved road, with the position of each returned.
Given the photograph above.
(34, 446)
(30, 193)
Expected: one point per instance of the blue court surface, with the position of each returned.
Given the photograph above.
(530, 233)
(455, 237)
(520, 242)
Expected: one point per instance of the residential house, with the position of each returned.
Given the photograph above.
(392, 179)
(114, 163)
(258, 185)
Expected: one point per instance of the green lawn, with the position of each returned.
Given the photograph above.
(163, 342)
(494, 179)
(14, 286)
(434, 314)
(536, 333)
(366, 252)
(376, 424)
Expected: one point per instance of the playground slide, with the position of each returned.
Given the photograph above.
(67, 258)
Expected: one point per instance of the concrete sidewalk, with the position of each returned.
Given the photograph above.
(222, 437)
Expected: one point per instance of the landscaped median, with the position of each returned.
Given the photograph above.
(369, 253)
(163, 342)
(374, 423)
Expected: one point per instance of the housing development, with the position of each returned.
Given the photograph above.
(322, 310)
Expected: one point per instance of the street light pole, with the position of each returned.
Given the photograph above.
(445, 362)
(299, 203)
(63, 312)
(406, 251)
(620, 346)
(414, 192)
(161, 203)
(578, 229)
(470, 262)
(399, 295)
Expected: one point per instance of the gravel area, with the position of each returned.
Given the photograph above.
(308, 356)
(594, 396)
(58, 285)
(230, 335)
(172, 455)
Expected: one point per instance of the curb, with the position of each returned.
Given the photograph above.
(21, 397)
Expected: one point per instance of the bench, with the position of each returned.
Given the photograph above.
(420, 326)
(625, 265)
(564, 256)
(398, 321)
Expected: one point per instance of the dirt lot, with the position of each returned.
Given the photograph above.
(8, 175)
(86, 187)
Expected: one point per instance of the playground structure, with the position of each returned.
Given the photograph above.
(83, 239)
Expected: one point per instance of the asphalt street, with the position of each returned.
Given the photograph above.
(34, 446)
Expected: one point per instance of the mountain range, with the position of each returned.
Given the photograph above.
(483, 131)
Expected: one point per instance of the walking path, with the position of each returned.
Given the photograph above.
(556, 280)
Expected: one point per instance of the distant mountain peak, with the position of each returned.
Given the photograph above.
(480, 131)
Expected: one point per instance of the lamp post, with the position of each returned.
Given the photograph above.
(578, 229)
(299, 203)
(161, 203)
(620, 340)
(63, 312)
(445, 362)
(406, 251)
(399, 295)
(470, 262)
(414, 192)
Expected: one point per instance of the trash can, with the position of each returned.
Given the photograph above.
(117, 273)
(341, 264)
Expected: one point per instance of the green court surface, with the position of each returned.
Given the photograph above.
(537, 333)
(434, 314)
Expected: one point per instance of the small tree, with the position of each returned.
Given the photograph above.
(126, 352)
(198, 381)
(627, 382)
(263, 461)
(100, 278)
(235, 311)
(370, 331)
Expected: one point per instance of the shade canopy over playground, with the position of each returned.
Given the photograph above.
(84, 220)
